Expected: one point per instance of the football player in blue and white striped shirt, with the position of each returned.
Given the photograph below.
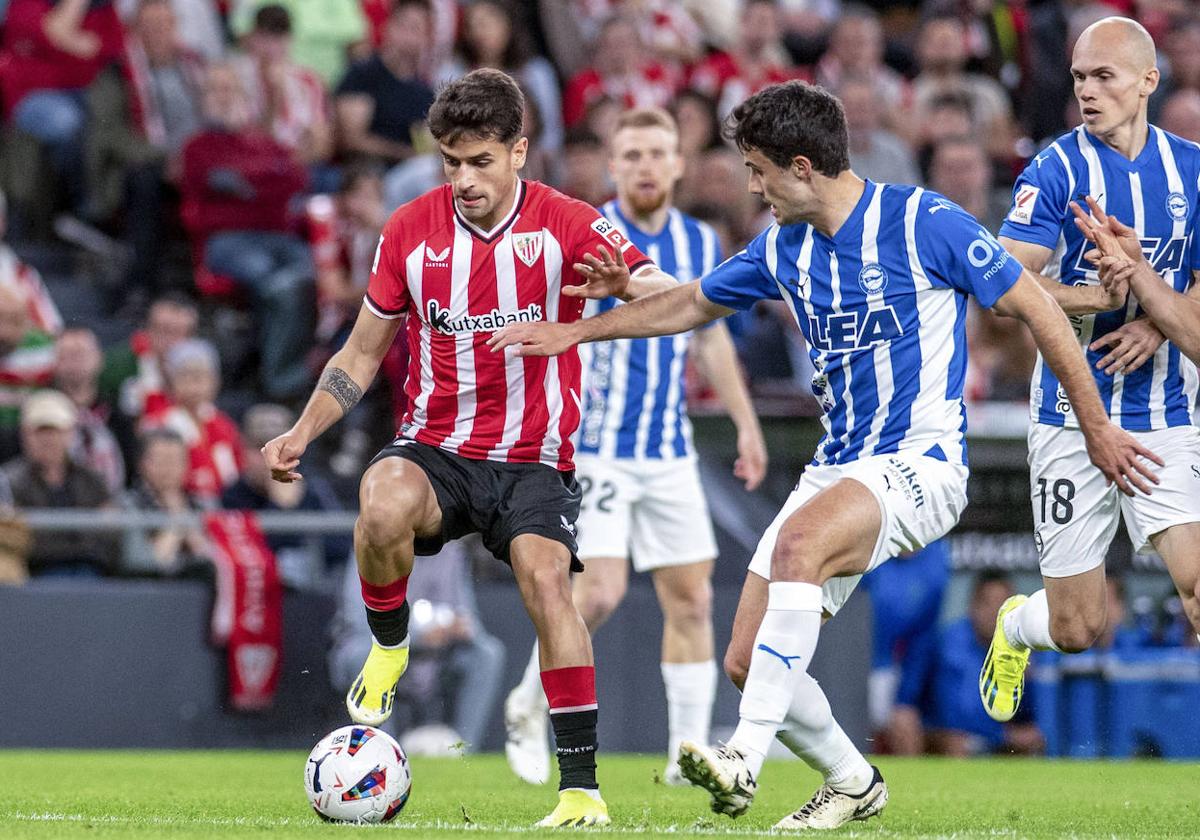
(634, 461)
(877, 277)
(1148, 178)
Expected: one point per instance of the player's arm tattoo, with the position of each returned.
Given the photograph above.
(338, 384)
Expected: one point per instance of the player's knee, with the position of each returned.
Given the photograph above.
(691, 607)
(546, 588)
(599, 602)
(737, 665)
(1077, 633)
(793, 558)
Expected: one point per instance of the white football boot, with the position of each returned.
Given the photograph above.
(722, 771)
(526, 747)
(829, 808)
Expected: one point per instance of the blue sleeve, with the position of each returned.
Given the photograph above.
(917, 669)
(1039, 206)
(957, 253)
(742, 280)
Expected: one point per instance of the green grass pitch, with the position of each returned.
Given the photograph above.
(52, 794)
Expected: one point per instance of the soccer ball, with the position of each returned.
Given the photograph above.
(357, 774)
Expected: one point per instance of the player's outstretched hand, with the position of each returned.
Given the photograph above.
(751, 463)
(606, 275)
(541, 338)
(1107, 233)
(1118, 455)
(1129, 346)
(283, 456)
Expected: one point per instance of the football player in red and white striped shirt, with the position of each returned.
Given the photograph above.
(485, 444)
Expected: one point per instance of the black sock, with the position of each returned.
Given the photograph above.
(389, 627)
(575, 745)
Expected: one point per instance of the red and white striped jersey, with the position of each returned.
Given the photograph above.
(458, 285)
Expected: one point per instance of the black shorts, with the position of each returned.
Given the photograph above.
(496, 500)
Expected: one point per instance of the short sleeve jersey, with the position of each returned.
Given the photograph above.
(882, 305)
(1156, 194)
(634, 399)
(458, 284)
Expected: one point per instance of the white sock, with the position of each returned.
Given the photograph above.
(810, 732)
(691, 687)
(1028, 626)
(529, 689)
(783, 649)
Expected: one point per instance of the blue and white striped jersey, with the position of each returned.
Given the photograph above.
(633, 391)
(1157, 195)
(883, 306)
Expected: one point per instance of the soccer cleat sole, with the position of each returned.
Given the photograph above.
(700, 772)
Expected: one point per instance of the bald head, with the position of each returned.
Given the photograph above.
(1113, 67)
(1118, 39)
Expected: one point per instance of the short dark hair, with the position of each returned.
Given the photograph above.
(485, 103)
(790, 119)
(148, 438)
(273, 19)
(400, 5)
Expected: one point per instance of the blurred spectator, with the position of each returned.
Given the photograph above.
(757, 59)
(324, 30)
(132, 380)
(343, 231)
(162, 469)
(722, 181)
(256, 491)
(51, 50)
(215, 454)
(45, 476)
(492, 36)
(993, 35)
(201, 24)
(139, 124)
(1181, 70)
(1181, 115)
(167, 80)
(856, 47)
(875, 152)
(960, 170)
(958, 724)
(445, 29)
(949, 117)
(541, 164)
(455, 673)
(699, 132)
(237, 185)
(906, 601)
(78, 362)
(585, 168)
(381, 103)
(1000, 358)
(20, 276)
(620, 69)
(26, 364)
(942, 53)
(287, 99)
(666, 29)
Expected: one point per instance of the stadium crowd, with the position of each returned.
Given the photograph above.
(193, 191)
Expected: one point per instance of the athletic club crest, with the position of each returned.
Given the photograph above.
(528, 247)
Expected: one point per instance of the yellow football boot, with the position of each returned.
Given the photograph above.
(369, 700)
(576, 808)
(1002, 679)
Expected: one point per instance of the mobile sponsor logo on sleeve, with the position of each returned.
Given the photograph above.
(1023, 204)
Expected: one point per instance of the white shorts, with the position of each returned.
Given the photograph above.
(653, 511)
(920, 498)
(1075, 513)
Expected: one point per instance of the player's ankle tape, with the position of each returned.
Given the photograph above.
(389, 627)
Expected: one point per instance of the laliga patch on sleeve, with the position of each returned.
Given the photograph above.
(1023, 203)
(606, 230)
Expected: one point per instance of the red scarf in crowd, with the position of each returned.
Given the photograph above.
(248, 611)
